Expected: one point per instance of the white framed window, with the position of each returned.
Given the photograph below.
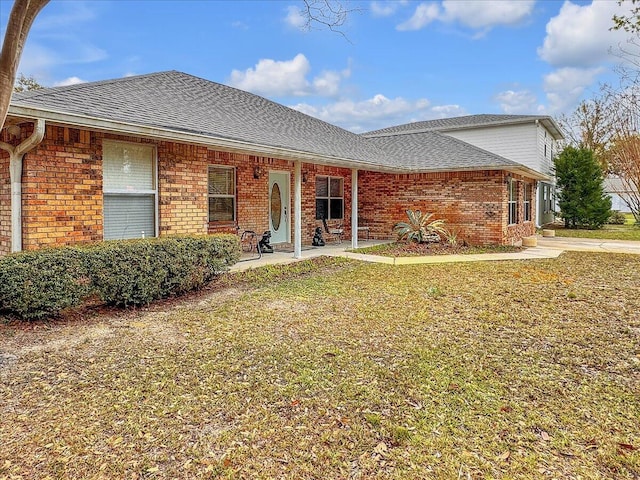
(513, 202)
(222, 194)
(130, 193)
(528, 189)
(329, 198)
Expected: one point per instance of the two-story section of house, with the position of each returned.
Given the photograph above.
(530, 140)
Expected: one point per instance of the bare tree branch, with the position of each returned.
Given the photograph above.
(331, 14)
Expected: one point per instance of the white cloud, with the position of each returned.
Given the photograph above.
(579, 35)
(70, 13)
(377, 112)
(69, 81)
(288, 78)
(486, 14)
(517, 102)
(424, 14)
(38, 58)
(385, 9)
(470, 13)
(240, 25)
(565, 86)
(295, 18)
(272, 77)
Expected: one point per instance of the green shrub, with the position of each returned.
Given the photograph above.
(41, 283)
(136, 272)
(617, 218)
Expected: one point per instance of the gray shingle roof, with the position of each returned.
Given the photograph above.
(177, 102)
(180, 102)
(435, 151)
(465, 122)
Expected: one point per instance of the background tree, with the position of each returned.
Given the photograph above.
(24, 84)
(589, 126)
(630, 22)
(581, 196)
(22, 15)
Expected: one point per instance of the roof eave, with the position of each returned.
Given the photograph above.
(517, 169)
(228, 144)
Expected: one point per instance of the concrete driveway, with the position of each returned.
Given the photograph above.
(589, 245)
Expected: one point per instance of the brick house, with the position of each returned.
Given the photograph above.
(170, 153)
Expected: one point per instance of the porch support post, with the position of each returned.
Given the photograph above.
(354, 208)
(16, 155)
(297, 209)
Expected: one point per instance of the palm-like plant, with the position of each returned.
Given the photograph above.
(419, 227)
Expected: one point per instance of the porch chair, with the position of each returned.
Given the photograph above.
(335, 232)
(363, 226)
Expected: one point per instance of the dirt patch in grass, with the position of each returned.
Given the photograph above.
(514, 370)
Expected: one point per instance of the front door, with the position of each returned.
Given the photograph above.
(279, 206)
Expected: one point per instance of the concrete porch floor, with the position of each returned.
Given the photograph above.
(546, 248)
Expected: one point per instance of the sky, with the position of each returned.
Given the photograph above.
(392, 62)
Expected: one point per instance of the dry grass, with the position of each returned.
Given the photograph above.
(485, 370)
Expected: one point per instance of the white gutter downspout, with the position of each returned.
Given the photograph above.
(16, 155)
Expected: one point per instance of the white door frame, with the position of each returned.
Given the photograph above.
(286, 206)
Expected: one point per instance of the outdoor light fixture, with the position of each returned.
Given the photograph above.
(304, 177)
(256, 172)
(508, 178)
(14, 130)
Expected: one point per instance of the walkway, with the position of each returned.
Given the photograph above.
(548, 247)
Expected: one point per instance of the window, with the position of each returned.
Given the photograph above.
(129, 190)
(528, 188)
(513, 203)
(222, 194)
(547, 198)
(329, 198)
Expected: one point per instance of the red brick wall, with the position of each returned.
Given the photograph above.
(62, 189)
(62, 194)
(182, 188)
(473, 203)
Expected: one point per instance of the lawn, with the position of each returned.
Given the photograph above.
(336, 369)
(628, 231)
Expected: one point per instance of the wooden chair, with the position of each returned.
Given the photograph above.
(336, 232)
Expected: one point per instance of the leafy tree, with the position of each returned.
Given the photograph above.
(582, 200)
(24, 84)
(629, 23)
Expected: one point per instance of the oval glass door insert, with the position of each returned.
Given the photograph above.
(276, 206)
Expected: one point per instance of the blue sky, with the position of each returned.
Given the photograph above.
(401, 61)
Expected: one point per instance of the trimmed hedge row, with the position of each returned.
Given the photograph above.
(41, 283)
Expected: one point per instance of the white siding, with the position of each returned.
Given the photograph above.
(545, 155)
(523, 143)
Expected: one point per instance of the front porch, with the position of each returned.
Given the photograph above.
(283, 254)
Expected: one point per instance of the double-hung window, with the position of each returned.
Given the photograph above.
(129, 190)
(329, 198)
(222, 194)
(527, 202)
(513, 202)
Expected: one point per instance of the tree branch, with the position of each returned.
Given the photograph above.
(22, 15)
